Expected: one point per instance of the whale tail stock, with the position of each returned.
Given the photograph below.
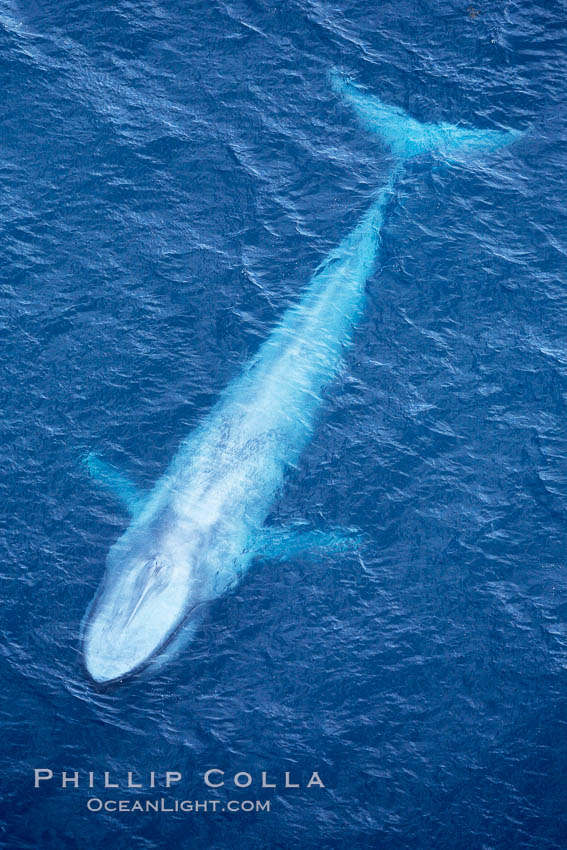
(406, 137)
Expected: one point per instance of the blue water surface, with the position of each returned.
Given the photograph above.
(172, 173)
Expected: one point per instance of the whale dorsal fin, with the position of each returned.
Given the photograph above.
(127, 493)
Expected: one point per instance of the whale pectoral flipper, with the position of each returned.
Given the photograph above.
(287, 542)
(112, 479)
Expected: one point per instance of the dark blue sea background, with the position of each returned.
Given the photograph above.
(172, 173)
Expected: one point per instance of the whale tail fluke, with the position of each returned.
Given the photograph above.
(407, 137)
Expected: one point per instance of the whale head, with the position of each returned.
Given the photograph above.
(136, 613)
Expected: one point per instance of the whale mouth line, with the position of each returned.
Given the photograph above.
(137, 668)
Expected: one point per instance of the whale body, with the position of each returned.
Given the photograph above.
(196, 533)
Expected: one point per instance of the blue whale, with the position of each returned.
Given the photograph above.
(196, 533)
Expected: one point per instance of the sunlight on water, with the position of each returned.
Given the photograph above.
(223, 295)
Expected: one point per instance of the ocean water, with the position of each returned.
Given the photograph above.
(172, 174)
